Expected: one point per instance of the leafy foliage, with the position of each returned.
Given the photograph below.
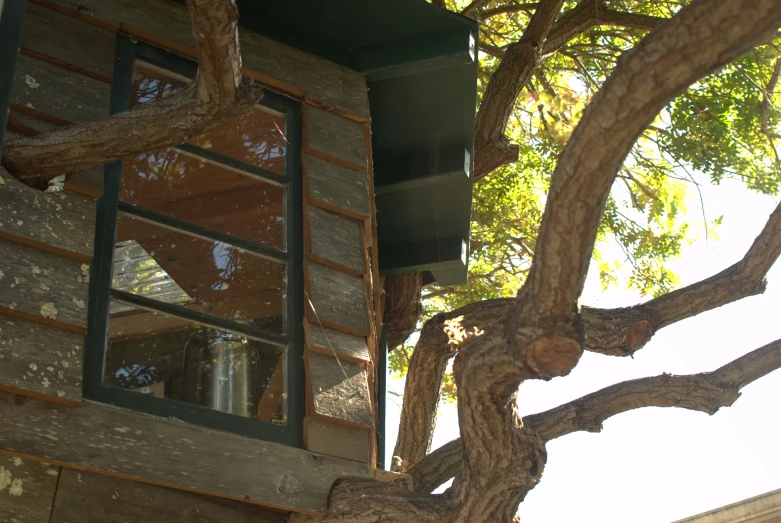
(726, 126)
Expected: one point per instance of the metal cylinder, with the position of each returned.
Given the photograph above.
(225, 374)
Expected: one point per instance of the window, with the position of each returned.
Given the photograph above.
(196, 291)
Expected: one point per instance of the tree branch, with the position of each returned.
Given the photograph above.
(615, 332)
(492, 147)
(542, 337)
(218, 93)
(706, 392)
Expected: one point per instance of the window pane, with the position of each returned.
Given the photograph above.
(174, 184)
(154, 353)
(256, 137)
(204, 275)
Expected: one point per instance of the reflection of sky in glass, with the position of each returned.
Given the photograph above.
(210, 276)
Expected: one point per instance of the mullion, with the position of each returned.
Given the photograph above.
(233, 164)
(216, 322)
(202, 232)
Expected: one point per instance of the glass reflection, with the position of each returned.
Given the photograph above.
(256, 137)
(170, 182)
(161, 355)
(204, 275)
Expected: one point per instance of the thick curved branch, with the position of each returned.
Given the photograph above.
(706, 392)
(542, 337)
(616, 332)
(218, 93)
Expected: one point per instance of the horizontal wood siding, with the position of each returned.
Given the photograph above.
(28, 495)
(59, 92)
(337, 238)
(337, 298)
(321, 80)
(154, 450)
(115, 500)
(62, 220)
(41, 359)
(336, 136)
(43, 284)
(337, 186)
(338, 440)
(339, 389)
(69, 40)
(323, 339)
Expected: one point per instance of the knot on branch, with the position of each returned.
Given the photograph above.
(553, 355)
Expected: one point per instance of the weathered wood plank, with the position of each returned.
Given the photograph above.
(70, 40)
(325, 81)
(40, 358)
(335, 135)
(62, 220)
(337, 440)
(337, 238)
(337, 185)
(59, 92)
(340, 389)
(43, 284)
(338, 297)
(339, 342)
(115, 500)
(136, 446)
(26, 490)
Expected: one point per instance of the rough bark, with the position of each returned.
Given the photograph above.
(616, 332)
(706, 392)
(402, 307)
(542, 336)
(218, 93)
(492, 148)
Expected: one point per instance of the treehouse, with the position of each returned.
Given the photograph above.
(194, 333)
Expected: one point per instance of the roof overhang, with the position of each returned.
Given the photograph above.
(421, 68)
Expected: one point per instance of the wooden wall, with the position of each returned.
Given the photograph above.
(340, 279)
(63, 76)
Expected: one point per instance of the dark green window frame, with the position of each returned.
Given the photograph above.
(108, 208)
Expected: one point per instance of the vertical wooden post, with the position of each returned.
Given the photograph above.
(11, 19)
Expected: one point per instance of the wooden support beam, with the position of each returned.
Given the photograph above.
(395, 172)
(416, 55)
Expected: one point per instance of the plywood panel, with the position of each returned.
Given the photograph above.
(43, 284)
(59, 92)
(338, 298)
(338, 186)
(325, 81)
(337, 238)
(26, 490)
(335, 135)
(338, 342)
(171, 453)
(115, 500)
(70, 40)
(337, 440)
(62, 220)
(40, 358)
(339, 389)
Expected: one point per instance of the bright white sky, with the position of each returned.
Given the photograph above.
(660, 465)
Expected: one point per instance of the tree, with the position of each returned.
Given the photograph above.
(542, 332)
